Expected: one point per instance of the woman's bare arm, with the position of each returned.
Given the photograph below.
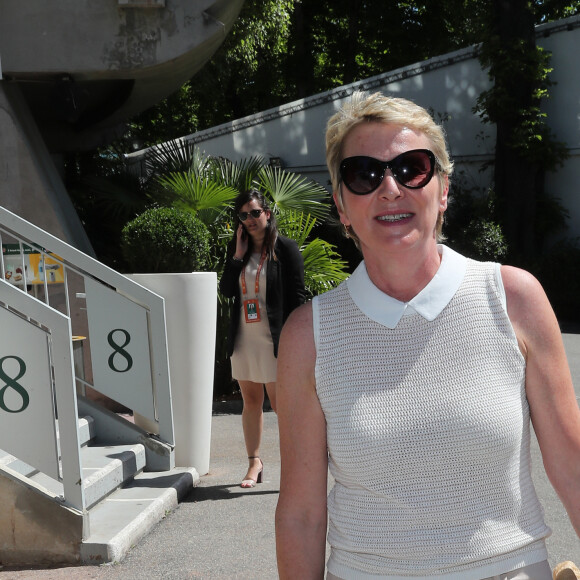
(301, 512)
(553, 405)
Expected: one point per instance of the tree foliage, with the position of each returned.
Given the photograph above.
(282, 50)
(525, 146)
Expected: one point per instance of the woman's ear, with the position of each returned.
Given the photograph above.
(342, 214)
(443, 200)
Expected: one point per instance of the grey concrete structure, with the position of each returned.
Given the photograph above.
(30, 184)
(73, 71)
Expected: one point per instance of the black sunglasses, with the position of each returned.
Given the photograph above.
(413, 169)
(255, 213)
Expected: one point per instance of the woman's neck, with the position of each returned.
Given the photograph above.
(402, 276)
(257, 243)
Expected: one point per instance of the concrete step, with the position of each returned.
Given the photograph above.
(7, 460)
(105, 468)
(86, 434)
(128, 514)
(87, 430)
(123, 502)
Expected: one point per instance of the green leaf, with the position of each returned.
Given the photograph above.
(324, 268)
(196, 194)
(240, 175)
(291, 191)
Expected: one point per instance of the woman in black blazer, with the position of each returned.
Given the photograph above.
(264, 273)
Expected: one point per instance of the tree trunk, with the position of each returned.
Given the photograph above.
(516, 181)
(352, 43)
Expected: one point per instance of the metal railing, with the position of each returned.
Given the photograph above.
(38, 413)
(115, 340)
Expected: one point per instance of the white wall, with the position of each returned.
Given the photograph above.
(563, 111)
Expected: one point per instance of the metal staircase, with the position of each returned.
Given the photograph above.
(79, 481)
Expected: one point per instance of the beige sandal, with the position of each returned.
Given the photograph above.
(248, 483)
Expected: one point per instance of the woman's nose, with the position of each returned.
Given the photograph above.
(389, 188)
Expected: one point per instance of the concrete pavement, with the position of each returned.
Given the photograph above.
(222, 532)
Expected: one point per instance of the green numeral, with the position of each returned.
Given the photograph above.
(12, 383)
(118, 349)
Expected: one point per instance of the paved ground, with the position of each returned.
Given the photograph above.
(222, 532)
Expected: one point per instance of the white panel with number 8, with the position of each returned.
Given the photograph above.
(119, 345)
(27, 425)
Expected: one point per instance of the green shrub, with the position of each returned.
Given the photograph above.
(166, 240)
(484, 240)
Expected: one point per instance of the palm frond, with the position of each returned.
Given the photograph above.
(323, 267)
(197, 194)
(172, 156)
(296, 225)
(290, 191)
(240, 174)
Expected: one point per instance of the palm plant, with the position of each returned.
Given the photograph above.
(291, 192)
(181, 176)
(323, 266)
(199, 194)
(207, 186)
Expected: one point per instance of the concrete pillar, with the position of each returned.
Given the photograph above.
(30, 185)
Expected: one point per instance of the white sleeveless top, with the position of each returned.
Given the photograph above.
(428, 429)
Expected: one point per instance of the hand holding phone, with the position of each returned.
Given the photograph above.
(241, 241)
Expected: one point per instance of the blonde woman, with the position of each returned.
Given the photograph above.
(415, 382)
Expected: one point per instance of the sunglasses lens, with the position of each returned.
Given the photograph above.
(362, 174)
(413, 169)
(255, 213)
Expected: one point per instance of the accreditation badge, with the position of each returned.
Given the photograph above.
(252, 310)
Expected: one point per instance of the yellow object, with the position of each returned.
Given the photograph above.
(566, 571)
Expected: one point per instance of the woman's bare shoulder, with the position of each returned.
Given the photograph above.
(528, 309)
(299, 323)
(524, 293)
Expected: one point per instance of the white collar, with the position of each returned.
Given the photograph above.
(429, 303)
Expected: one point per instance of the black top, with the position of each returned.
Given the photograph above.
(284, 288)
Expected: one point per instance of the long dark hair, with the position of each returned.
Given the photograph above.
(271, 233)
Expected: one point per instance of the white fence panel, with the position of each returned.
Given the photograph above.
(120, 348)
(27, 420)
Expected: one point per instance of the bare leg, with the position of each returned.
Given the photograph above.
(252, 424)
(271, 390)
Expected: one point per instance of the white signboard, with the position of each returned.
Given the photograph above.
(27, 421)
(119, 345)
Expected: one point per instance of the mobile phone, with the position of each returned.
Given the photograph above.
(244, 233)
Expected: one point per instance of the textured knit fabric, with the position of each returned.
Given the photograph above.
(539, 571)
(428, 436)
(253, 357)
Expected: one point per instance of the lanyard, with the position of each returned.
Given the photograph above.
(257, 283)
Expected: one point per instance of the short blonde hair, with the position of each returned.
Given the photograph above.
(378, 108)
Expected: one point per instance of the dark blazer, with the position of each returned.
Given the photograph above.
(284, 289)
